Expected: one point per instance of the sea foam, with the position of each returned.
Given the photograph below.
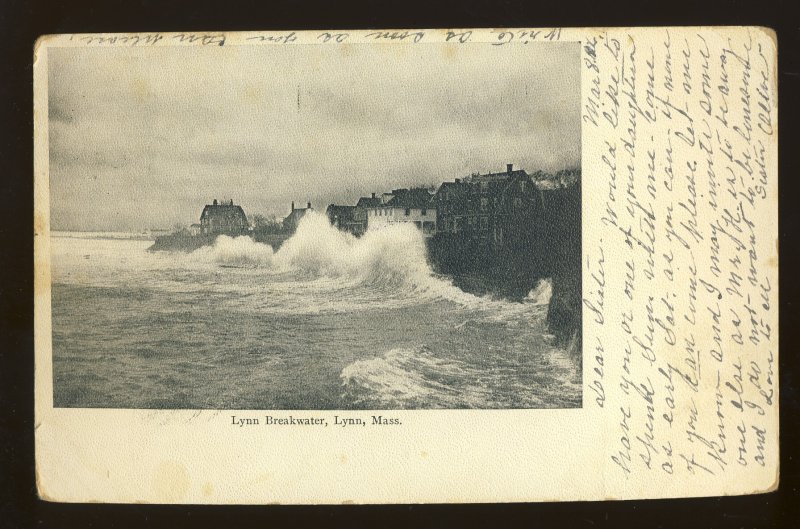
(391, 263)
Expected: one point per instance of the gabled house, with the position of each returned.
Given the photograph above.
(488, 208)
(223, 219)
(360, 217)
(414, 206)
(292, 220)
(341, 217)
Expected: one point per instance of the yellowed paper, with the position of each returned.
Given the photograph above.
(330, 358)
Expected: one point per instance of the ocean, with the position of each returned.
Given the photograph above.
(329, 321)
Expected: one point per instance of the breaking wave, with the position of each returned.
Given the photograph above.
(387, 266)
(542, 293)
(409, 378)
(239, 251)
(395, 254)
(386, 260)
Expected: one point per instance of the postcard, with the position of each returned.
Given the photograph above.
(406, 266)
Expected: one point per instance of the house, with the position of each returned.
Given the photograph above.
(360, 217)
(414, 206)
(223, 219)
(452, 205)
(341, 217)
(292, 220)
(488, 208)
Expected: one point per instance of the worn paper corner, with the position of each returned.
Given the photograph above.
(41, 491)
(776, 482)
(40, 41)
(769, 33)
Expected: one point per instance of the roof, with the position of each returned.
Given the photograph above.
(413, 199)
(491, 177)
(368, 202)
(296, 214)
(298, 211)
(337, 208)
(222, 210)
(444, 185)
(493, 182)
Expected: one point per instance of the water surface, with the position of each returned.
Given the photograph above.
(327, 322)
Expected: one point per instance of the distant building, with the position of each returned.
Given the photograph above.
(360, 216)
(223, 219)
(414, 206)
(341, 217)
(291, 222)
(488, 208)
(195, 229)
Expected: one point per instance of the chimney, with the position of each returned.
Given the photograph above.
(373, 195)
(309, 205)
(292, 205)
(510, 167)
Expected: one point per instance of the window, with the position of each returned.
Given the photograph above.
(408, 212)
(424, 212)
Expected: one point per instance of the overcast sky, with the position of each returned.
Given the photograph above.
(144, 137)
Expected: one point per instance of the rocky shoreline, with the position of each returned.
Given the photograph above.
(552, 250)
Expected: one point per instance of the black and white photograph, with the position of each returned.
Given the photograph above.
(309, 227)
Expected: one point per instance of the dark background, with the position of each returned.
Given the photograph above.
(22, 22)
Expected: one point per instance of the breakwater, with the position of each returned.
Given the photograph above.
(180, 242)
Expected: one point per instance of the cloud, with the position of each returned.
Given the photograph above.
(143, 137)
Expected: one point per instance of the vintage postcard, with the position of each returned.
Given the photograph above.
(403, 266)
